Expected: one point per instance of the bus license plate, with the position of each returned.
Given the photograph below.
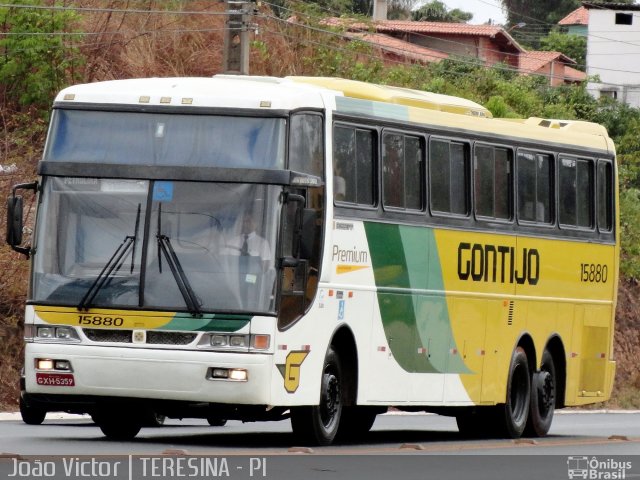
(55, 379)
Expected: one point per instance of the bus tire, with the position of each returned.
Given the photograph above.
(31, 415)
(543, 398)
(118, 426)
(476, 423)
(216, 421)
(318, 424)
(512, 416)
(356, 422)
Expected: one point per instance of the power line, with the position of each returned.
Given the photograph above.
(198, 12)
(110, 10)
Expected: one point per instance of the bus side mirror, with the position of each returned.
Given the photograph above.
(309, 233)
(15, 221)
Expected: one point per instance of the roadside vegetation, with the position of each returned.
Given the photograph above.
(44, 50)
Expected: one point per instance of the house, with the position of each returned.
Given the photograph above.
(554, 65)
(426, 42)
(613, 51)
(576, 23)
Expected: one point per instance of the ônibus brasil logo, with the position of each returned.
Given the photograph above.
(597, 469)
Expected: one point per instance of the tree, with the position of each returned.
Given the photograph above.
(549, 12)
(436, 11)
(35, 58)
(573, 46)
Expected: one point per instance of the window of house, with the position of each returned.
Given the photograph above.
(493, 182)
(353, 165)
(624, 19)
(576, 192)
(535, 187)
(402, 171)
(449, 176)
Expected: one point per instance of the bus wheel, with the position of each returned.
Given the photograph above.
(215, 421)
(118, 426)
(476, 423)
(31, 415)
(318, 425)
(357, 421)
(543, 398)
(512, 416)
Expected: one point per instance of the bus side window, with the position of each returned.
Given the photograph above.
(306, 146)
(402, 171)
(493, 182)
(576, 188)
(605, 196)
(535, 187)
(449, 177)
(353, 165)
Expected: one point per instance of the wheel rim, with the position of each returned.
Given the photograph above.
(546, 392)
(330, 404)
(519, 394)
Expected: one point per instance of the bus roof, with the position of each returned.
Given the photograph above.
(349, 96)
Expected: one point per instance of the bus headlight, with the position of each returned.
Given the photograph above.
(235, 342)
(219, 340)
(54, 333)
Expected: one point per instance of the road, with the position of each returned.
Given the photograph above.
(400, 446)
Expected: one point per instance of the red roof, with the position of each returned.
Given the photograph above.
(573, 75)
(530, 62)
(408, 26)
(579, 16)
(400, 47)
(438, 27)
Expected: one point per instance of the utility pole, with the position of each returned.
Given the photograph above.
(236, 37)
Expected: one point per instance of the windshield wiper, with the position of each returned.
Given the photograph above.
(113, 265)
(165, 247)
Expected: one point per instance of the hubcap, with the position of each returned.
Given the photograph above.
(330, 399)
(545, 389)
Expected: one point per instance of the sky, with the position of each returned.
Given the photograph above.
(482, 10)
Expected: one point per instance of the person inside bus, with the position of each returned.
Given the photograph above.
(249, 243)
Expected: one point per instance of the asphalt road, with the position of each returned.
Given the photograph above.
(399, 446)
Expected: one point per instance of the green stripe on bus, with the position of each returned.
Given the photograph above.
(413, 307)
(208, 323)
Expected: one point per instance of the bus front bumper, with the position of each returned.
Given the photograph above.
(180, 375)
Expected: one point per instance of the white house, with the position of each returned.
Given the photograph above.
(613, 51)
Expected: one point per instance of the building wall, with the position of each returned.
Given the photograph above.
(468, 46)
(613, 53)
(580, 30)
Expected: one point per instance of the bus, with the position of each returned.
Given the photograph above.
(319, 250)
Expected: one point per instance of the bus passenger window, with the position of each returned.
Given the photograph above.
(576, 192)
(449, 177)
(493, 182)
(353, 165)
(605, 196)
(402, 171)
(535, 187)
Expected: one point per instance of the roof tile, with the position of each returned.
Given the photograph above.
(580, 16)
(400, 47)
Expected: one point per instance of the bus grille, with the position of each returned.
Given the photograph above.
(125, 336)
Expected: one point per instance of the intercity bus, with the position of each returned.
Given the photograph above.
(409, 251)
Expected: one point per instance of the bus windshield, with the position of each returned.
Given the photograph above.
(166, 139)
(168, 245)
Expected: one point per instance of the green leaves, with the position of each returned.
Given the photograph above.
(37, 57)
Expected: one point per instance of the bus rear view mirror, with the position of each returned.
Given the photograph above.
(308, 234)
(14, 220)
